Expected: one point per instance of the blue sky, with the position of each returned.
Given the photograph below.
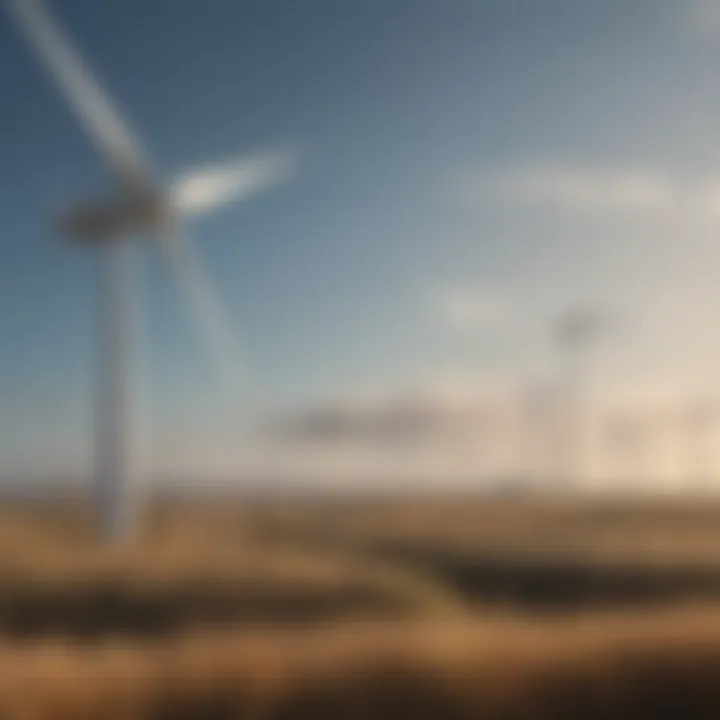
(411, 240)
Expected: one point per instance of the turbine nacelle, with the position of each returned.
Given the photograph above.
(115, 218)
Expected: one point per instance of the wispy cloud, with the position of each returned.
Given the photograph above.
(401, 418)
(460, 429)
(591, 189)
(444, 429)
(449, 429)
(469, 309)
(700, 17)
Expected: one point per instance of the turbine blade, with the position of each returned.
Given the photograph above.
(204, 189)
(209, 313)
(93, 107)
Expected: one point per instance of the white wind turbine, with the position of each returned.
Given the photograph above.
(139, 206)
(574, 333)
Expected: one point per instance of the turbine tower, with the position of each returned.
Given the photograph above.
(139, 207)
(574, 333)
(698, 421)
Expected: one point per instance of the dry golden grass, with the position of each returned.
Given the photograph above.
(622, 666)
(658, 531)
(192, 620)
(196, 567)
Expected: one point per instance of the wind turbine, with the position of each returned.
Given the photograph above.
(628, 441)
(139, 206)
(574, 333)
(698, 420)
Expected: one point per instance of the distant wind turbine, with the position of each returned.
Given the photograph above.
(139, 206)
(698, 420)
(628, 436)
(574, 333)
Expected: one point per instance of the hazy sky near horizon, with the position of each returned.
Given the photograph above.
(466, 169)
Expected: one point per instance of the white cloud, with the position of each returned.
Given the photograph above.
(469, 309)
(701, 17)
(451, 429)
(457, 430)
(404, 417)
(581, 189)
(591, 189)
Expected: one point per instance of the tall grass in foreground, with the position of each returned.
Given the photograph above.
(626, 665)
(195, 586)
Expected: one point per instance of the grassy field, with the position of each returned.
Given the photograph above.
(393, 608)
